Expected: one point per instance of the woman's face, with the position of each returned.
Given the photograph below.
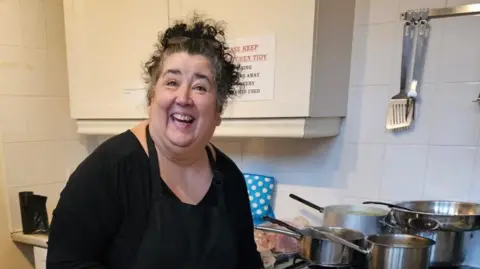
(183, 110)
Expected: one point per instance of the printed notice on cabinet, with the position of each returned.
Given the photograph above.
(256, 57)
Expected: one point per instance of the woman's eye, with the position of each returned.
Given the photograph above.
(172, 83)
(200, 88)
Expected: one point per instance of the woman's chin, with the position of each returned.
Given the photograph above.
(180, 139)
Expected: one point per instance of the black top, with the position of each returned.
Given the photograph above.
(104, 209)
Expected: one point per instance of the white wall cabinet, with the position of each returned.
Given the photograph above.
(107, 41)
(311, 75)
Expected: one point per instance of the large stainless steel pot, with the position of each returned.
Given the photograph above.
(319, 250)
(365, 219)
(449, 216)
(450, 250)
(393, 251)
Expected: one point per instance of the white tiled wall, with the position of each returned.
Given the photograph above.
(38, 140)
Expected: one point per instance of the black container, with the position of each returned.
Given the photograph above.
(33, 209)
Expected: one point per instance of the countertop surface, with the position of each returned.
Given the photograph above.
(41, 240)
(38, 240)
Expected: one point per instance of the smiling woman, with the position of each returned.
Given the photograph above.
(160, 195)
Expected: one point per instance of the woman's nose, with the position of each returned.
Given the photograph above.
(183, 97)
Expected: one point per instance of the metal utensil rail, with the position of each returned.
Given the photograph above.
(436, 13)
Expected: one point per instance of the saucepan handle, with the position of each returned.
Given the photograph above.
(283, 224)
(305, 202)
(278, 231)
(342, 241)
(386, 204)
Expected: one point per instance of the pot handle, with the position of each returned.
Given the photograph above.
(395, 227)
(424, 224)
(386, 204)
(305, 202)
(283, 224)
(279, 231)
(342, 241)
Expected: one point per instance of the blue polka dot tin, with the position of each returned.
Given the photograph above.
(260, 194)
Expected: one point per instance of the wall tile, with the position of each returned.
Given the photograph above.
(414, 4)
(376, 11)
(403, 172)
(49, 119)
(450, 172)
(33, 24)
(459, 60)
(36, 71)
(10, 26)
(362, 170)
(365, 123)
(372, 59)
(13, 70)
(48, 161)
(13, 118)
(474, 194)
(232, 148)
(456, 119)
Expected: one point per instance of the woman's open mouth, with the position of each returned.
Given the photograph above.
(182, 120)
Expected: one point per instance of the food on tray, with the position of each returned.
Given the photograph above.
(265, 241)
(279, 243)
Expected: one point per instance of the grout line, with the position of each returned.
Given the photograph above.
(41, 141)
(34, 95)
(424, 183)
(37, 184)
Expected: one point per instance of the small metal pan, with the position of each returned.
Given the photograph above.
(317, 249)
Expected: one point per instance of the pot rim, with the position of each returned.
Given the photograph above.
(365, 207)
(402, 203)
(428, 242)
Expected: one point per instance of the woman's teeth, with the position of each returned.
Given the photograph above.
(183, 118)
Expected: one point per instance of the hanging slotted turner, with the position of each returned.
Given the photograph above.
(399, 114)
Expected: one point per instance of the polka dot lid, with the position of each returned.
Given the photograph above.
(260, 192)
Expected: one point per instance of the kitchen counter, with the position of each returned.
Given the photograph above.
(38, 240)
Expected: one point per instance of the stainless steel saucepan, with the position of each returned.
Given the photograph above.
(392, 251)
(319, 250)
(365, 219)
(435, 215)
(450, 250)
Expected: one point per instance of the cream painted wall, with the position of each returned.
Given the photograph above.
(37, 137)
(11, 255)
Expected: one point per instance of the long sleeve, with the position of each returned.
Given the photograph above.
(249, 257)
(86, 218)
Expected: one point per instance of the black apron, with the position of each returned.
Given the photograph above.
(179, 235)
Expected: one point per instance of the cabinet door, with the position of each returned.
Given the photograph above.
(107, 42)
(292, 23)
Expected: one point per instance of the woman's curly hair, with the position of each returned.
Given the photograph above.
(199, 37)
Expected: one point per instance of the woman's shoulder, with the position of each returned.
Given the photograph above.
(226, 165)
(112, 154)
(119, 146)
